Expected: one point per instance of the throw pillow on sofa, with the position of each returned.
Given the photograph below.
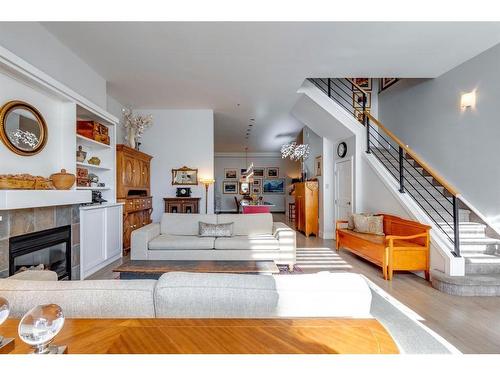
(369, 224)
(216, 230)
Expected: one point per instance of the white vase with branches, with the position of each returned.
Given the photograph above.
(135, 126)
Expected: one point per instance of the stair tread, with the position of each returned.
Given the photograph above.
(490, 279)
(494, 262)
(479, 241)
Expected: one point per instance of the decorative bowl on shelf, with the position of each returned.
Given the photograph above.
(62, 180)
(94, 160)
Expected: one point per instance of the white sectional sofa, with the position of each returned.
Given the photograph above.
(179, 294)
(255, 237)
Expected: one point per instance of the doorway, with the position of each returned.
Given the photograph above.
(343, 189)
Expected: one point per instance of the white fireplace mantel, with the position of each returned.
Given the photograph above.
(18, 199)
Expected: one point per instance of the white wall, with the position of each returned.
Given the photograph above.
(315, 143)
(114, 107)
(179, 138)
(59, 152)
(287, 170)
(460, 145)
(35, 44)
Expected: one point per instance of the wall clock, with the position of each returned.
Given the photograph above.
(342, 149)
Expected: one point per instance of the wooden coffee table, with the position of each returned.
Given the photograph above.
(153, 269)
(217, 336)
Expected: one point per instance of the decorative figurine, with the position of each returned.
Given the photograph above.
(80, 155)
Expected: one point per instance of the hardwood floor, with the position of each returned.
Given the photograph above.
(472, 324)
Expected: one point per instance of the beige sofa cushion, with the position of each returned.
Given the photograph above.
(247, 225)
(256, 242)
(170, 242)
(210, 295)
(83, 299)
(184, 224)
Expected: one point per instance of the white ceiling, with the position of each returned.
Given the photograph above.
(259, 65)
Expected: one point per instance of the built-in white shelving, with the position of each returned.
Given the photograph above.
(92, 166)
(91, 142)
(106, 170)
(93, 188)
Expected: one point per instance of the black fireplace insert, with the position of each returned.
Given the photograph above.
(44, 250)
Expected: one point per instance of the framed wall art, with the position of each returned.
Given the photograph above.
(230, 187)
(258, 172)
(317, 165)
(364, 83)
(274, 186)
(230, 173)
(273, 172)
(386, 82)
(244, 188)
(357, 100)
(185, 176)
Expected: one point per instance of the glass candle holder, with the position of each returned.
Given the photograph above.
(40, 325)
(6, 344)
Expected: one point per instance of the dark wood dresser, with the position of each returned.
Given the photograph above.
(182, 205)
(133, 189)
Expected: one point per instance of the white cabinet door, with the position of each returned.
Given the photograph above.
(93, 239)
(114, 222)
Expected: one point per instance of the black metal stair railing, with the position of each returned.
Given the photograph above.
(434, 195)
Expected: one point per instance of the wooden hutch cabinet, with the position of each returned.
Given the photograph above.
(182, 205)
(133, 189)
(306, 207)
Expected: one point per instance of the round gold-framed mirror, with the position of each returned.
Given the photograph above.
(22, 128)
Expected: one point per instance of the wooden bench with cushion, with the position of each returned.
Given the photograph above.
(403, 247)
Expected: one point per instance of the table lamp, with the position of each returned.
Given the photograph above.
(207, 182)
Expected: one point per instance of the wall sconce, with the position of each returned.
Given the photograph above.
(468, 100)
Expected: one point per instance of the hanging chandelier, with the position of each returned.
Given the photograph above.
(295, 152)
(248, 175)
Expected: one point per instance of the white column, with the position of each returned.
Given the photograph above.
(326, 198)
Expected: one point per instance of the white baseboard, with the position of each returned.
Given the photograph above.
(327, 235)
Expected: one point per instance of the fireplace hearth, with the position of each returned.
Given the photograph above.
(44, 250)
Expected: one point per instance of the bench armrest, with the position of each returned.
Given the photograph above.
(339, 223)
(140, 240)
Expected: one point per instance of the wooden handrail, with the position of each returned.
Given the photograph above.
(415, 157)
(357, 86)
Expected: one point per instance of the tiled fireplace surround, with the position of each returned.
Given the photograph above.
(17, 222)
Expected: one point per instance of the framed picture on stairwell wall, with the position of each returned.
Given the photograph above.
(364, 83)
(386, 82)
(357, 100)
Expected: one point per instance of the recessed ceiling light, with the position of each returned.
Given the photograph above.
(252, 119)
(250, 124)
